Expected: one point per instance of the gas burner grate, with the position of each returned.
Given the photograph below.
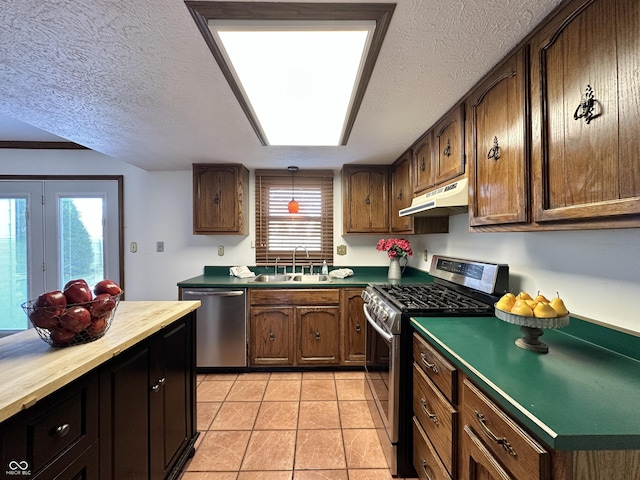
(432, 298)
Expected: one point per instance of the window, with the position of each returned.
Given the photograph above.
(53, 231)
(278, 232)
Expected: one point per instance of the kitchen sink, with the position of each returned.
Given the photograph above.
(311, 278)
(265, 278)
(290, 277)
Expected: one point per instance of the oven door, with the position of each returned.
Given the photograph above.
(382, 373)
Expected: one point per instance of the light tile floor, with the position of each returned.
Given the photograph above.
(285, 426)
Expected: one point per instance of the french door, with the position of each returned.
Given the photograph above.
(53, 231)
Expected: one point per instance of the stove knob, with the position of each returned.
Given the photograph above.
(383, 314)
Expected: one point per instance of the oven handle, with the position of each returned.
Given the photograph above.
(387, 336)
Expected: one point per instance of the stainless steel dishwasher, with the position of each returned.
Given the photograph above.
(221, 326)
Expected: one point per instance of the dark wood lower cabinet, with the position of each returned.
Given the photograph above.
(148, 428)
(131, 418)
(57, 438)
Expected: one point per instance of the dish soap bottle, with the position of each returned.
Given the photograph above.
(325, 268)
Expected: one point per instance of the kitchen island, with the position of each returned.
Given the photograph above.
(106, 408)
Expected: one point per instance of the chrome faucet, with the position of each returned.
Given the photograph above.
(293, 269)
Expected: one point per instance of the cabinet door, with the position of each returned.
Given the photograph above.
(124, 417)
(401, 194)
(423, 163)
(271, 333)
(353, 324)
(498, 167)
(585, 112)
(449, 146)
(317, 335)
(170, 397)
(220, 193)
(365, 200)
(478, 463)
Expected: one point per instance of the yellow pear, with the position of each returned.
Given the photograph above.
(532, 303)
(522, 309)
(524, 296)
(558, 305)
(541, 298)
(544, 310)
(506, 302)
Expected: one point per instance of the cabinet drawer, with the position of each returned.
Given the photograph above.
(425, 459)
(512, 446)
(58, 427)
(436, 416)
(437, 368)
(303, 296)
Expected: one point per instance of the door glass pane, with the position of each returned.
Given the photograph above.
(13, 263)
(81, 239)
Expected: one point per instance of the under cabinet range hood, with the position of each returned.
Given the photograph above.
(449, 199)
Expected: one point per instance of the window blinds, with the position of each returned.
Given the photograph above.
(279, 232)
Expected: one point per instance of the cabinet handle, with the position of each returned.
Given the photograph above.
(423, 165)
(447, 150)
(317, 334)
(494, 152)
(158, 384)
(216, 198)
(272, 336)
(400, 195)
(367, 200)
(426, 469)
(432, 366)
(358, 328)
(499, 440)
(432, 416)
(62, 430)
(585, 108)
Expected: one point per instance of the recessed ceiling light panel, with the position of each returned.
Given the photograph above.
(299, 78)
(301, 88)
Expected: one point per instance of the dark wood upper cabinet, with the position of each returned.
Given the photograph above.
(423, 163)
(401, 193)
(586, 112)
(220, 199)
(365, 198)
(448, 137)
(497, 126)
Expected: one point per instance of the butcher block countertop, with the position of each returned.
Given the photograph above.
(30, 369)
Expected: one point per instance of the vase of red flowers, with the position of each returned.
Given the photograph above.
(396, 249)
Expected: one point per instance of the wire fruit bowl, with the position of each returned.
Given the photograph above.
(73, 324)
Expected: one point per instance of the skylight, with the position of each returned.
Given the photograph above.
(299, 79)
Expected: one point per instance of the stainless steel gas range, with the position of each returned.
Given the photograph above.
(460, 288)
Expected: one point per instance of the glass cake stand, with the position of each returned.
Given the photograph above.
(532, 329)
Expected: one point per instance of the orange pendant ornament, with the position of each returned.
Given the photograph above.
(293, 206)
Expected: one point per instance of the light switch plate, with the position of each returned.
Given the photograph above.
(159, 247)
(426, 257)
(221, 250)
(341, 249)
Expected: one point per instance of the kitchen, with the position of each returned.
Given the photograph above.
(594, 270)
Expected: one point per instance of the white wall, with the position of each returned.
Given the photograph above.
(596, 272)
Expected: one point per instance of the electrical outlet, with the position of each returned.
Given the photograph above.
(160, 247)
(341, 249)
(133, 247)
(220, 250)
(425, 257)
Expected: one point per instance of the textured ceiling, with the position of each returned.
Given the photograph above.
(135, 80)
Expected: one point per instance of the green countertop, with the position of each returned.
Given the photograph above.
(579, 396)
(219, 277)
